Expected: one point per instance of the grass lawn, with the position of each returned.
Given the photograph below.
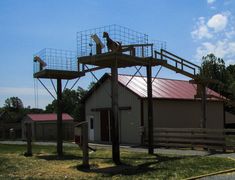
(44, 164)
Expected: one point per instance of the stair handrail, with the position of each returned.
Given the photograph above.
(167, 52)
(178, 60)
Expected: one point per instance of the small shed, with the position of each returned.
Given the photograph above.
(174, 106)
(44, 126)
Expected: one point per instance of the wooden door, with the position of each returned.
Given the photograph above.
(104, 124)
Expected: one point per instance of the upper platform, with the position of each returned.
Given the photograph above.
(97, 47)
(118, 60)
(93, 48)
(56, 64)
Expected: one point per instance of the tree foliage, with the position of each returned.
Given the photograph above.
(91, 85)
(214, 68)
(14, 107)
(231, 87)
(71, 102)
(13, 103)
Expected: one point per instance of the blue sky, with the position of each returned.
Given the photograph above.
(191, 28)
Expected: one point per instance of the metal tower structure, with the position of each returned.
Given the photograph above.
(114, 47)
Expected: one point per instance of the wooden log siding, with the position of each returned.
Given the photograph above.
(217, 139)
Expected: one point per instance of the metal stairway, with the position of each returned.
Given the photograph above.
(184, 67)
(177, 64)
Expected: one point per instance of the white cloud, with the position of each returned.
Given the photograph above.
(203, 50)
(201, 31)
(230, 34)
(218, 37)
(222, 48)
(218, 22)
(210, 1)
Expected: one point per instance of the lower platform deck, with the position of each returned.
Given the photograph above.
(118, 60)
(57, 74)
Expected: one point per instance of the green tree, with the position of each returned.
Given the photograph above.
(214, 68)
(231, 71)
(91, 85)
(232, 89)
(71, 100)
(13, 103)
(51, 108)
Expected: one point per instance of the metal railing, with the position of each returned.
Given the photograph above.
(56, 59)
(177, 63)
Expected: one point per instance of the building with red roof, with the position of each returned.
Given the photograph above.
(44, 127)
(175, 105)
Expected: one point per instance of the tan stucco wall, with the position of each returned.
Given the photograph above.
(99, 99)
(46, 130)
(229, 118)
(129, 120)
(185, 114)
(167, 113)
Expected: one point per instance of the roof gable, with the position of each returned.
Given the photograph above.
(161, 88)
(164, 88)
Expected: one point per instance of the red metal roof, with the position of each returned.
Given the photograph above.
(163, 88)
(49, 117)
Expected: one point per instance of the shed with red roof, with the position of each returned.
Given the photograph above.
(175, 106)
(44, 126)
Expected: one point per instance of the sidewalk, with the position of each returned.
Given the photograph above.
(181, 152)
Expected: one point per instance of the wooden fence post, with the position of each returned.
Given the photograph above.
(85, 158)
(29, 139)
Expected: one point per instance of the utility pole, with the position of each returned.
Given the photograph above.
(150, 109)
(84, 134)
(114, 116)
(203, 118)
(29, 139)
